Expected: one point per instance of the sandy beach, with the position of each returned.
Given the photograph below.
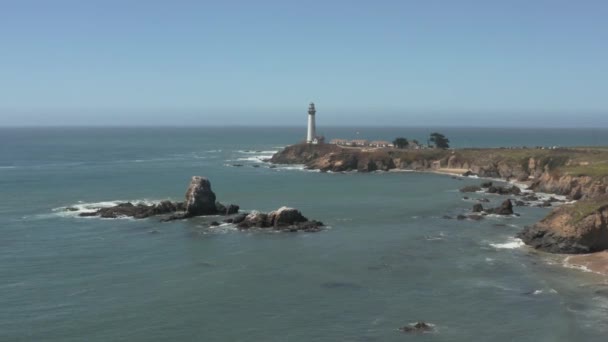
(594, 262)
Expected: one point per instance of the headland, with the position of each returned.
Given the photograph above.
(580, 174)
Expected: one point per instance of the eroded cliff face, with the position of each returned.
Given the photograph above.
(574, 187)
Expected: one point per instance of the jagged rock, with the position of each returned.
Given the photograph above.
(470, 188)
(486, 184)
(572, 228)
(418, 327)
(530, 198)
(468, 173)
(200, 199)
(214, 224)
(514, 190)
(285, 216)
(506, 208)
(477, 208)
(226, 210)
(254, 219)
(519, 203)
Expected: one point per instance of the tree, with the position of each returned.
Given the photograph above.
(439, 140)
(401, 142)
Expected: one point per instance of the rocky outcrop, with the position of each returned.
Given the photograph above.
(574, 187)
(506, 208)
(418, 327)
(283, 219)
(138, 211)
(470, 188)
(573, 228)
(200, 201)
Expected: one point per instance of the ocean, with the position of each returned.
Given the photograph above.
(387, 258)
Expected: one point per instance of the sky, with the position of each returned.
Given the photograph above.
(452, 63)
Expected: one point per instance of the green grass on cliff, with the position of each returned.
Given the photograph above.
(582, 209)
(595, 170)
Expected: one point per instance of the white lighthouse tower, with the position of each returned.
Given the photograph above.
(311, 137)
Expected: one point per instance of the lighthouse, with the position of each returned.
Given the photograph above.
(311, 137)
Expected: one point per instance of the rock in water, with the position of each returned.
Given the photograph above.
(417, 327)
(574, 228)
(477, 208)
(226, 210)
(470, 188)
(285, 216)
(200, 200)
(284, 219)
(506, 208)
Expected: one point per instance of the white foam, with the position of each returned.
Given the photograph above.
(257, 159)
(512, 243)
(583, 268)
(257, 152)
(7, 167)
(84, 207)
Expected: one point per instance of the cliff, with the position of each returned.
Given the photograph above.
(572, 228)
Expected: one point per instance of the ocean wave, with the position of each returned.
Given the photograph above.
(256, 159)
(512, 243)
(7, 167)
(566, 263)
(256, 152)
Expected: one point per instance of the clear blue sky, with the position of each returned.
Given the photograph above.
(260, 62)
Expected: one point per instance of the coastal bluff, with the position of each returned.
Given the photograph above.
(579, 174)
(577, 228)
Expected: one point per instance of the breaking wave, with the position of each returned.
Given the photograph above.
(512, 243)
(76, 209)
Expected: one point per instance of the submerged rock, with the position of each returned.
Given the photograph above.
(418, 327)
(477, 208)
(470, 188)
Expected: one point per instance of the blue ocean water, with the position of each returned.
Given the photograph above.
(387, 258)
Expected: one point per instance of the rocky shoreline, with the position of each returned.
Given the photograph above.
(577, 174)
(200, 200)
